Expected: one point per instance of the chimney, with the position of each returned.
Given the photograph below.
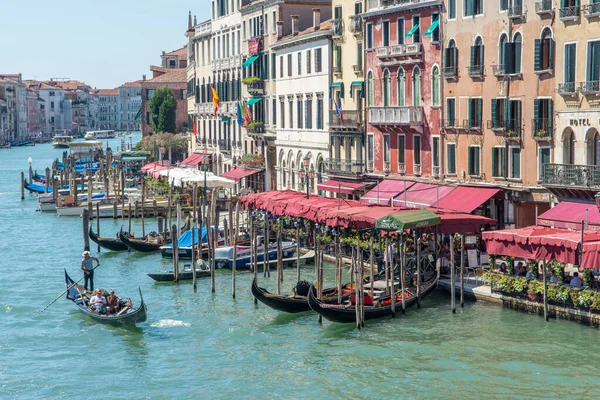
(294, 25)
(279, 29)
(195, 21)
(190, 20)
(143, 77)
(316, 18)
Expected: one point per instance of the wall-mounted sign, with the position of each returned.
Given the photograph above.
(580, 122)
(253, 46)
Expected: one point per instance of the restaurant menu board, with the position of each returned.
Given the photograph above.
(472, 258)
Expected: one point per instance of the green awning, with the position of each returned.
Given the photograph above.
(225, 119)
(249, 61)
(253, 101)
(408, 220)
(354, 84)
(432, 27)
(412, 31)
(337, 85)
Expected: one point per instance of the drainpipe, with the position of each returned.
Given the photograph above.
(442, 97)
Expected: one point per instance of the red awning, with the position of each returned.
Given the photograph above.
(568, 214)
(338, 186)
(462, 223)
(421, 195)
(239, 173)
(465, 199)
(194, 159)
(150, 166)
(385, 191)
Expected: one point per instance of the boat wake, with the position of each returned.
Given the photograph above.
(168, 323)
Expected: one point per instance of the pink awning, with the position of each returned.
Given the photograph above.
(335, 186)
(240, 173)
(568, 215)
(465, 199)
(194, 159)
(385, 191)
(421, 195)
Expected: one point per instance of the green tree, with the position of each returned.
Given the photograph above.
(163, 107)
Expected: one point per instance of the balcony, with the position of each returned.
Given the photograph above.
(417, 169)
(356, 25)
(370, 166)
(396, 116)
(255, 128)
(544, 7)
(450, 72)
(542, 129)
(590, 87)
(473, 124)
(476, 71)
(337, 28)
(498, 70)
(337, 69)
(571, 176)
(401, 53)
(516, 12)
(383, 51)
(567, 89)
(450, 124)
(353, 120)
(568, 13)
(254, 85)
(344, 167)
(357, 68)
(401, 168)
(386, 167)
(591, 10)
(436, 171)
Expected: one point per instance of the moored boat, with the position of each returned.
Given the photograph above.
(375, 308)
(224, 255)
(152, 242)
(293, 303)
(184, 244)
(107, 243)
(61, 142)
(184, 274)
(127, 316)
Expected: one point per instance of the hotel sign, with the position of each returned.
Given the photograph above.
(580, 122)
(253, 46)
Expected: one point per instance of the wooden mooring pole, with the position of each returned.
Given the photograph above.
(266, 269)
(175, 233)
(462, 271)
(545, 290)
(452, 282)
(194, 225)
(236, 235)
(22, 185)
(97, 221)
(85, 220)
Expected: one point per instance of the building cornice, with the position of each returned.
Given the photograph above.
(301, 39)
(401, 7)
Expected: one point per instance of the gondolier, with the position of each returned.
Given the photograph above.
(88, 269)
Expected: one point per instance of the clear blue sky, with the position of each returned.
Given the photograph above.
(101, 42)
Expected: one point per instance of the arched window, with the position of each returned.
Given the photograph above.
(518, 46)
(544, 51)
(416, 87)
(386, 88)
(435, 86)
(451, 60)
(401, 87)
(593, 147)
(568, 147)
(477, 61)
(502, 48)
(370, 89)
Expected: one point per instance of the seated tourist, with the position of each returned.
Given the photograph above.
(98, 301)
(113, 303)
(522, 270)
(554, 278)
(502, 268)
(576, 281)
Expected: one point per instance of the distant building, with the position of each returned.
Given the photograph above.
(17, 90)
(130, 105)
(108, 105)
(173, 78)
(36, 124)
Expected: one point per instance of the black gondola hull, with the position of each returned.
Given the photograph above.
(279, 302)
(142, 246)
(131, 317)
(106, 243)
(183, 276)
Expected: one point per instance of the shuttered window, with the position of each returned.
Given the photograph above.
(451, 157)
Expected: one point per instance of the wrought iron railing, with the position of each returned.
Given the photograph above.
(496, 124)
(566, 88)
(370, 165)
(450, 71)
(590, 87)
(449, 123)
(566, 13)
(436, 171)
(337, 26)
(351, 119)
(499, 70)
(417, 169)
(476, 71)
(396, 115)
(543, 7)
(591, 10)
(516, 12)
(256, 87)
(567, 175)
(356, 24)
(401, 168)
(386, 167)
(256, 129)
(472, 123)
(344, 167)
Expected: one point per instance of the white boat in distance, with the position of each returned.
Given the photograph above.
(61, 142)
(106, 134)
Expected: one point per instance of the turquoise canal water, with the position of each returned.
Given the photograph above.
(200, 345)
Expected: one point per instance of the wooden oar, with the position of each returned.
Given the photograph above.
(69, 288)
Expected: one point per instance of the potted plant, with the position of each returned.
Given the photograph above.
(249, 80)
(519, 287)
(535, 290)
(585, 299)
(512, 134)
(491, 278)
(559, 270)
(588, 277)
(506, 285)
(541, 133)
(492, 262)
(533, 268)
(510, 265)
(563, 294)
(595, 306)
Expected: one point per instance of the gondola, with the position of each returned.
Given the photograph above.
(127, 316)
(107, 243)
(287, 303)
(185, 274)
(151, 242)
(382, 307)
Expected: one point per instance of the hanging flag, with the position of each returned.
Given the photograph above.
(338, 110)
(195, 126)
(215, 99)
(247, 115)
(240, 114)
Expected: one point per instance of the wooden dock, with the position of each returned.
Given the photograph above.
(288, 262)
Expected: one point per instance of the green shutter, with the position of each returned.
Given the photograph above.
(518, 124)
(551, 53)
(455, 59)
(473, 56)
(503, 162)
(494, 162)
(479, 112)
(550, 116)
(537, 55)
(517, 67)
(470, 7)
(447, 57)
(477, 160)
(471, 113)
(470, 166)
(509, 58)
(481, 58)
(537, 124)
(452, 159)
(494, 113)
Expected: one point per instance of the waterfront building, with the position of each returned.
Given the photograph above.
(574, 171)
(498, 95)
(130, 105)
(54, 101)
(403, 88)
(15, 85)
(108, 113)
(36, 125)
(264, 22)
(172, 76)
(302, 71)
(7, 111)
(347, 150)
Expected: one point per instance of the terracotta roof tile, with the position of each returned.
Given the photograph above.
(108, 92)
(176, 75)
(182, 52)
(132, 84)
(325, 26)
